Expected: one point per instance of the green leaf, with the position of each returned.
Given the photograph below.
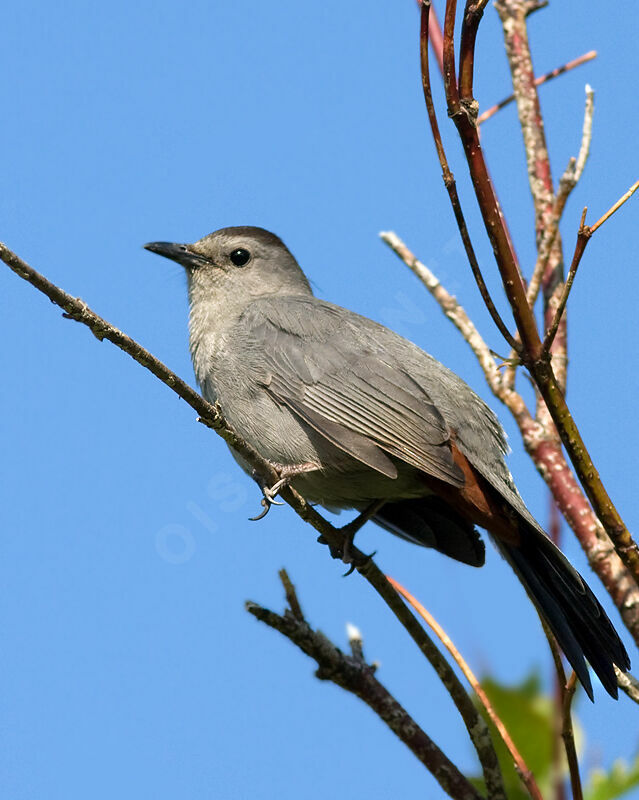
(621, 778)
(529, 717)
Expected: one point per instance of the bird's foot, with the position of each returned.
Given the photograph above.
(269, 493)
(347, 552)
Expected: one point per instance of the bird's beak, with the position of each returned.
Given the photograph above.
(181, 253)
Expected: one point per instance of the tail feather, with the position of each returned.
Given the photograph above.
(572, 611)
(430, 522)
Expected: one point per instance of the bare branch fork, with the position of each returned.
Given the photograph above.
(211, 416)
(462, 108)
(352, 673)
(584, 235)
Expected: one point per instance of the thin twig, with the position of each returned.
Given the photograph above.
(513, 14)
(449, 180)
(567, 183)
(356, 644)
(474, 722)
(583, 237)
(628, 684)
(566, 695)
(489, 205)
(212, 417)
(568, 735)
(356, 676)
(567, 689)
(582, 240)
(291, 595)
(554, 73)
(436, 38)
(473, 13)
(450, 306)
(624, 198)
(558, 745)
(586, 136)
(520, 765)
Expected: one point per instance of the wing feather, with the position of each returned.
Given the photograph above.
(347, 387)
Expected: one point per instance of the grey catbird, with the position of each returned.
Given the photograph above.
(351, 413)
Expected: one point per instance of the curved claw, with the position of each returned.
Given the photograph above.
(268, 499)
(270, 493)
(267, 507)
(357, 564)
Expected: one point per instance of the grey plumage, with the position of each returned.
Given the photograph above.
(356, 413)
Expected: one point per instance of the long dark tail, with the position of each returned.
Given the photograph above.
(572, 612)
(563, 597)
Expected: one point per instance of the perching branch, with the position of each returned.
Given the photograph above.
(211, 416)
(352, 673)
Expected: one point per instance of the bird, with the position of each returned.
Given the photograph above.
(354, 416)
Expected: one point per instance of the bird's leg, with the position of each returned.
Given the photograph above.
(345, 553)
(286, 473)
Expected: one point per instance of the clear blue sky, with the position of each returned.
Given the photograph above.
(129, 667)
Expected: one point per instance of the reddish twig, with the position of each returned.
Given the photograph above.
(583, 237)
(436, 38)
(449, 180)
(554, 73)
(520, 765)
(489, 205)
(470, 25)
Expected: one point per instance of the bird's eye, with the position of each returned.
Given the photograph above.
(240, 257)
